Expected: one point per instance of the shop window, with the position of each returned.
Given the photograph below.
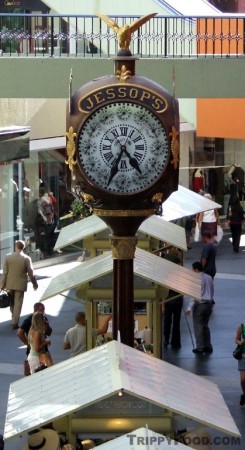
(20, 184)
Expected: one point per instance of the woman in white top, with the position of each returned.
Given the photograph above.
(208, 220)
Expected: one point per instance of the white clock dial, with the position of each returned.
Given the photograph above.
(123, 148)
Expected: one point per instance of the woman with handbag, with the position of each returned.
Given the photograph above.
(240, 340)
(37, 340)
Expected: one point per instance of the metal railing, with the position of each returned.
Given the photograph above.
(30, 35)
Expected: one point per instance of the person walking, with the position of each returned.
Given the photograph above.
(75, 338)
(173, 306)
(24, 328)
(208, 220)
(16, 268)
(208, 255)
(202, 311)
(172, 316)
(235, 217)
(37, 340)
(189, 225)
(45, 222)
(240, 340)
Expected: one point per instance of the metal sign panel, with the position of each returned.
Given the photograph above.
(193, 8)
(153, 226)
(164, 231)
(120, 367)
(14, 143)
(79, 230)
(146, 265)
(165, 273)
(24, 5)
(83, 273)
(180, 204)
(185, 202)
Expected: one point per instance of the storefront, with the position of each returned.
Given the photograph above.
(213, 165)
(20, 180)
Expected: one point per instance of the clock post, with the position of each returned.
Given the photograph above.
(123, 156)
(123, 249)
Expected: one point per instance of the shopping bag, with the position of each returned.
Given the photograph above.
(220, 233)
(197, 233)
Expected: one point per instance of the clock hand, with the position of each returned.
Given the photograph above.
(132, 161)
(114, 167)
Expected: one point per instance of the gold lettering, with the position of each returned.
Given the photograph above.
(137, 93)
(89, 100)
(11, 3)
(145, 96)
(157, 104)
(133, 93)
(110, 93)
(122, 92)
(98, 97)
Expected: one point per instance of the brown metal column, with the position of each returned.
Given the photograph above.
(123, 249)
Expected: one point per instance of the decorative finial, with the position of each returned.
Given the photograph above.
(123, 74)
(124, 33)
(175, 147)
(70, 148)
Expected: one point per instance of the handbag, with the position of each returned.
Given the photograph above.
(219, 234)
(5, 299)
(197, 233)
(46, 358)
(237, 354)
(27, 371)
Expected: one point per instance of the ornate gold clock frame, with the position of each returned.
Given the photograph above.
(123, 158)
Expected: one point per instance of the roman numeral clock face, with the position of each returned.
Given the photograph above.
(123, 148)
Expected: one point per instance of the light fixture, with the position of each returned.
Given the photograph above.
(120, 393)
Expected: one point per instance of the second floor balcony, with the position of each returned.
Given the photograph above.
(43, 35)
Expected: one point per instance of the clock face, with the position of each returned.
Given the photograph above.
(123, 148)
